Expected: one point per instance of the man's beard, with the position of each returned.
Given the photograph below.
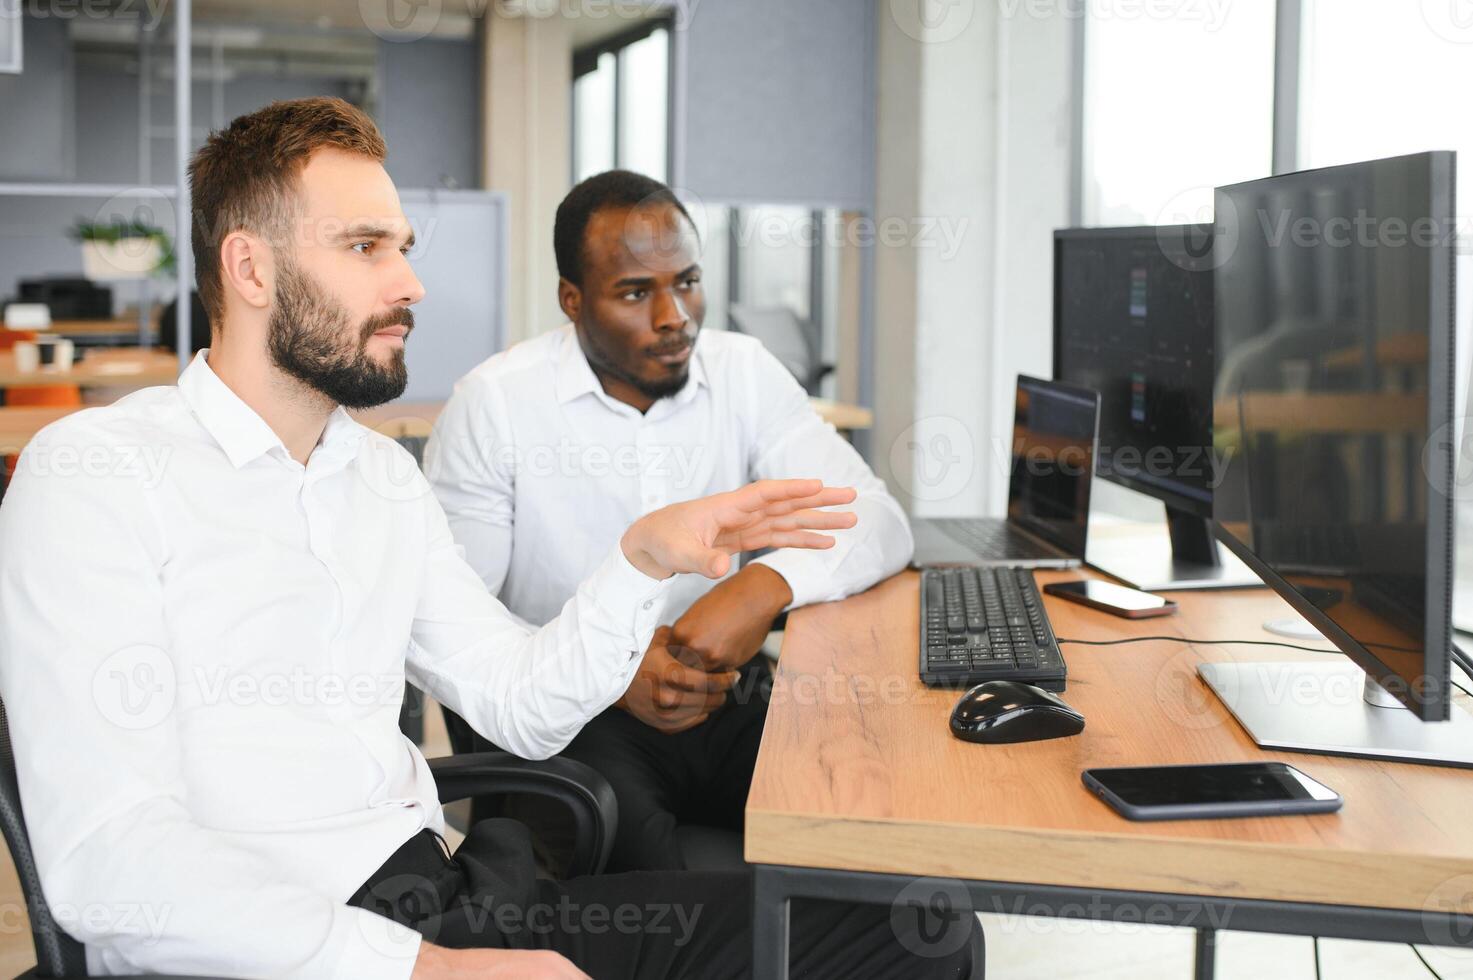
(602, 362)
(307, 332)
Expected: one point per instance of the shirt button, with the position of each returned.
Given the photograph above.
(648, 603)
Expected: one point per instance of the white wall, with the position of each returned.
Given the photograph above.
(527, 69)
(973, 151)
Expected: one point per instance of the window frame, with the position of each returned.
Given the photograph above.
(585, 61)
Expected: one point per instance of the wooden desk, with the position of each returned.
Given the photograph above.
(19, 425)
(859, 775)
(133, 367)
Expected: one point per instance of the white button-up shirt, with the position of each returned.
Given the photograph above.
(203, 645)
(540, 471)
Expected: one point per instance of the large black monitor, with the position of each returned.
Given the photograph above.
(1133, 311)
(1333, 407)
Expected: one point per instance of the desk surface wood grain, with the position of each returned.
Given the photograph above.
(858, 771)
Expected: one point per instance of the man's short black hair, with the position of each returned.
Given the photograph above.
(610, 189)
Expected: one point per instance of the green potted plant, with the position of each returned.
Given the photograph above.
(123, 250)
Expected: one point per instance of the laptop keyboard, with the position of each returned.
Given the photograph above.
(992, 539)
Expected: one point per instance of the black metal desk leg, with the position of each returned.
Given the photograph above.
(769, 925)
(1206, 967)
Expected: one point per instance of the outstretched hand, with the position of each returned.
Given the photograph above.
(702, 535)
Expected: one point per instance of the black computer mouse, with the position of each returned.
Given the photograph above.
(1008, 711)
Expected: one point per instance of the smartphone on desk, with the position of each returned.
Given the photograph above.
(1112, 598)
(1248, 789)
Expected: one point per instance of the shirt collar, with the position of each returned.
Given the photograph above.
(236, 427)
(575, 378)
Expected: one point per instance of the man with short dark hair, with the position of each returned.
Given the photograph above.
(203, 659)
(545, 450)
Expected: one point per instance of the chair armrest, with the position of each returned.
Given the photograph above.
(582, 790)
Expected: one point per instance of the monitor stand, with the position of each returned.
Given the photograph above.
(1331, 707)
(1187, 557)
(1295, 628)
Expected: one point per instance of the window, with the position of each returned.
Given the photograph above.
(776, 247)
(1177, 103)
(1177, 99)
(621, 104)
(593, 108)
(1423, 62)
(1406, 99)
(773, 271)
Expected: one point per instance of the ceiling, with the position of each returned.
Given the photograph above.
(588, 21)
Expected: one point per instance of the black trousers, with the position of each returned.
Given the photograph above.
(647, 924)
(699, 776)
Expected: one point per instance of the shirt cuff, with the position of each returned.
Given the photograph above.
(630, 597)
(364, 945)
(807, 573)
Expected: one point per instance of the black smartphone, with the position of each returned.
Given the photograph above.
(1248, 789)
(1112, 598)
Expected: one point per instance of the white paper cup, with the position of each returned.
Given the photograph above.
(27, 356)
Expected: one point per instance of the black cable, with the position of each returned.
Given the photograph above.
(1459, 657)
(1424, 962)
(1463, 660)
(1316, 956)
(1185, 639)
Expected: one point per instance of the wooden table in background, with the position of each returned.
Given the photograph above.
(133, 367)
(414, 418)
(126, 326)
(842, 416)
(860, 789)
(396, 419)
(19, 426)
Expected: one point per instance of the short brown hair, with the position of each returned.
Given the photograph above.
(243, 178)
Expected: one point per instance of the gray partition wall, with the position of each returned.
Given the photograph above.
(460, 257)
(779, 102)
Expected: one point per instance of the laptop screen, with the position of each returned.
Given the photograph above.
(1054, 433)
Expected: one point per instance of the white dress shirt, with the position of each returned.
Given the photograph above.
(539, 470)
(203, 646)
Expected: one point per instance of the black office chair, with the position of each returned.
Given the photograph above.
(584, 792)
(412, 714)
(788, 338)
(704, 848)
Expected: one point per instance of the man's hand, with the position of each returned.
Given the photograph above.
(669, 696)
(702, 535)
(724, 628)
(439, 963)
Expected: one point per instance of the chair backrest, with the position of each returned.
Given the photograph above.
(57, 954)
(416, 447)
(9, 338)
(784, 335)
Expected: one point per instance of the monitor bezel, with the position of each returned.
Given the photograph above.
(1173, 498)
(1436, 705)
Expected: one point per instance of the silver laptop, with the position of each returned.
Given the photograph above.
(1055, 440)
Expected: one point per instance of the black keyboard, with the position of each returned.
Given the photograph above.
(986, 624)
(992, 539)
